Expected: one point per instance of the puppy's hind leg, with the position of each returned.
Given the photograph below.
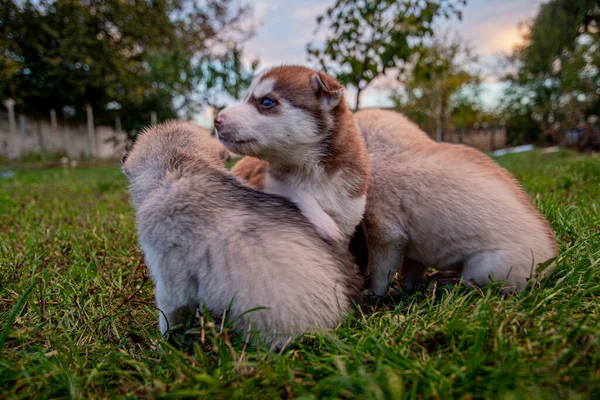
(411, 273)
(500, 266)
(384, 263)
(172, 312)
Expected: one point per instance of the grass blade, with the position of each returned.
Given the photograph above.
(14, 313)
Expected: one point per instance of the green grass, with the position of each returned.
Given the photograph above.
(78, 320)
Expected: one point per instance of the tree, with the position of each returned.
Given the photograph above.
(366, 38)
(439, 92)
(124, 58)
(554, 86)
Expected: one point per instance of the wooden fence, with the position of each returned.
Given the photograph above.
(21, 136)
(484, 139)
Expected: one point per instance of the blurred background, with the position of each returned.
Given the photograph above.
(79, 78)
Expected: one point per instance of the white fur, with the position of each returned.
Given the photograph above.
(293, 132)
(263, 88)
(309, 207)
(253, 84)
(173, 305)
(322, 200)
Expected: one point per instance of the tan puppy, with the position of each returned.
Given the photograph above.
(208, 240)
(296, 119)
(445, 206)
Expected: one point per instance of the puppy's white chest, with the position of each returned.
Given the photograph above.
(322, 201)
(333, 196)
(347, 212)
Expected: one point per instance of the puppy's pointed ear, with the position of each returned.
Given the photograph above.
(329, 90)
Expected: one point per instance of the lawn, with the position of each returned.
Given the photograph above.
(78, 320)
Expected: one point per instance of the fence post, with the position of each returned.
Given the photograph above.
(54, 126)
(492, 142)
(22, 126)
(90, 129)
(10, 106)
(22, 129)
(40, 136)
(153, 118)
(118, 127)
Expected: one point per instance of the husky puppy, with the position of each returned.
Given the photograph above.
(296, 121)
(448, 207)
(209, 240)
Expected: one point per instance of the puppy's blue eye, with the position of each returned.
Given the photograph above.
(266, 102)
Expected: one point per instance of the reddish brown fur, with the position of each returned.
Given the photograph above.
(252, 171)
(343, 146)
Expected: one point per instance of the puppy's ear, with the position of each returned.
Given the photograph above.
(329, 90)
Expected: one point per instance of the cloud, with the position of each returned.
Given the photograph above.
(284, 33)
(490, 26)
(515, 9)
(505, 40)
(493, 26)
(261, 7)
(310, 12)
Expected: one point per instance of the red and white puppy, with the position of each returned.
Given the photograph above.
(296, 120)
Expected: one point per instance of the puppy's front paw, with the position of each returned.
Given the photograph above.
(329, 231)
(370, 297)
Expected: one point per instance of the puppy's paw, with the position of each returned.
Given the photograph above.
(329, 231)
(370, 297)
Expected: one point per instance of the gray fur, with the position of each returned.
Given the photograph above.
(208, 240)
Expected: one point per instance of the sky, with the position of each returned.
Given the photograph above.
(491, 27)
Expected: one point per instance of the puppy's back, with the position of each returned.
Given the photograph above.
(452, 195)
(248, 246)
(213, 240)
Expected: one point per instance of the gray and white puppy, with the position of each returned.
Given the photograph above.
(209, 240)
